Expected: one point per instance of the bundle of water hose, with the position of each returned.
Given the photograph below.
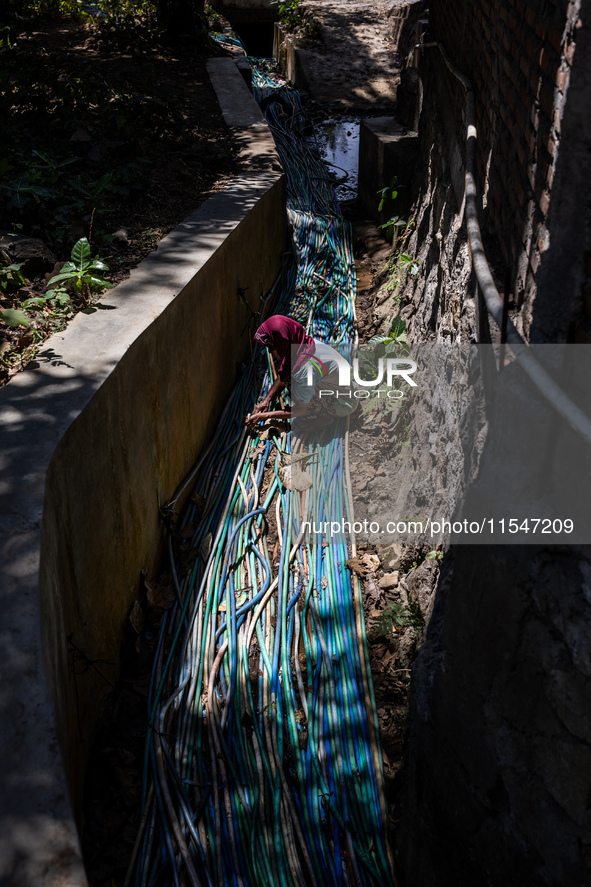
(262, 765)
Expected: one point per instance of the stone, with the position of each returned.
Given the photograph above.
(390, 555)
(30, 252)
(389, 580)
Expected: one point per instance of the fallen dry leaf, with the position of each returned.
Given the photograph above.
(187, 532)
(159, 593)
(367, 563)
(206, 546)
(199, 501)
(293, 478)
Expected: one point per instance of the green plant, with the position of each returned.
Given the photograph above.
(11, 278)
(14, 317)
(388, 195)
(400, 615)
(59, 296)
(289, 12)
(387, 345)
(407, 261)
(80, 273)
(380, 347)
(313, 29)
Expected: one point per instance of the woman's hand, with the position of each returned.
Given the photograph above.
(253, 417)
(261, 406)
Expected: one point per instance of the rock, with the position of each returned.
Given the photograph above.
(390, 555)
(389, 580)
(56, 270)
(81, 135)
(30, 252)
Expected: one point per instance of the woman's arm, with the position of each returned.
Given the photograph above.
(276, 388)
(298, 409)
(260, 417)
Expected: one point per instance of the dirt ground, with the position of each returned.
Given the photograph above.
(348, 56)
(107, 134)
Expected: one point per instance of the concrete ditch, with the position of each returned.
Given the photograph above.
(97, 433)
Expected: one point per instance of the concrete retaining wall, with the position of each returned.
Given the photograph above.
(386, 150)
(96, 434)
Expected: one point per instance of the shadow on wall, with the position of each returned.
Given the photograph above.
(500, 764)
(96, 435)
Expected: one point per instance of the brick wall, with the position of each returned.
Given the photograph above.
(518, 56)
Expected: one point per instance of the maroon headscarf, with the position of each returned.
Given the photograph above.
(282, 333)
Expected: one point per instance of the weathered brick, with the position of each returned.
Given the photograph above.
(550, 177)
(512, 23)
(520, 120)
(547, 100)
(555, 38)
(531, 141)
(544, 203)
(531, 175)
(569, 52)
(561, 80)
(519, 192)
(510, 97)
(522, 229)
(543, 58)
(541, 28)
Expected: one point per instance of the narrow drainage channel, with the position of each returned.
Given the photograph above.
(261, 761)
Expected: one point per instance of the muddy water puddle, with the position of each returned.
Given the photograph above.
(337, 141)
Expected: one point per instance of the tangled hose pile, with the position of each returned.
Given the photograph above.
(262, 765)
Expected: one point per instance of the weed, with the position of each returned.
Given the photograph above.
(81, 273)
(312, 28)
(290, 13)
(14, 317)
(398, 615)
(388, 195)
(408, 262)
(401, 718)
(11, 278)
